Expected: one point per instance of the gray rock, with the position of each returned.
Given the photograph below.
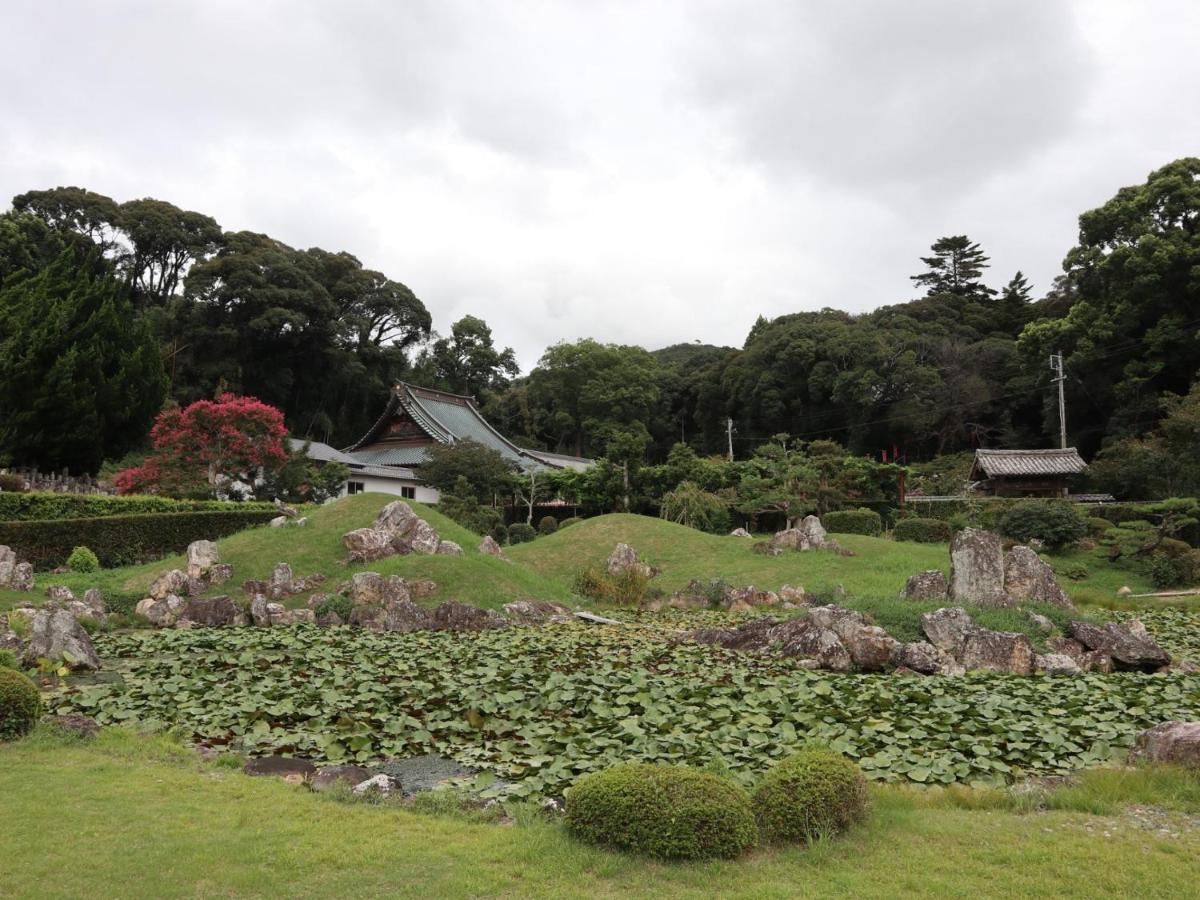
(449, 548)
(162, 613)
(370, 544)
(1086, 660)
(919, 656)
(219, 574)
(625, 559)
(201, 557)
(213, 612)
(93, 599)
(455, 616)
(282, 581)
(535, 612)
(172, 582)
(73, 723)
(424, 538)
(328, 776)
(1126, 643)
(1040, 622)
(1177, 743)
(745, 598)
(947, 629)
(489, 547)
(1056, 664)
(55, 634)
(280, 766)
(8, 564)
(977, 568)
(595, 619)
(397, 519)
(813, 531)
(1027, 578)
(377, 784)
(279, 521)
(928, 585)
(869, 646)
(60, 593)
(259, 614)
(740, 533)
(997, 651)
(790, 594)
(810, 641)
(22, 577)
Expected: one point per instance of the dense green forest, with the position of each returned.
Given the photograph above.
(110, 309)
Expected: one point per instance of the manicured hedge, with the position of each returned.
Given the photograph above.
(46, 506)
(853, 521)
(923, 531)
(814, 793)
(122, 540)
(20, 704)
(521, 533)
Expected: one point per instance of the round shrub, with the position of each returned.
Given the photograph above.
(1053, 522)
(20, 704)
(499, 533)
(568, 522)
(548, 525)
(814, 792)
(520, 533)
(83, 560)
(923, 531)
(661, 811)
(854, 521)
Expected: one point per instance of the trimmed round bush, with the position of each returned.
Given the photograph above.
(83, 560)
(499, 533)
(923, 531)
(661, 811)
(569, 521)
(815, 792)
(1053, 522)
(520, 533)
(20, 704)
(853, 521)
(548, 525)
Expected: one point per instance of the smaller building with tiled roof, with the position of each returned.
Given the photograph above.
(1025, 473)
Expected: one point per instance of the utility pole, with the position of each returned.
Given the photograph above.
(729, 433)
(1056, 365)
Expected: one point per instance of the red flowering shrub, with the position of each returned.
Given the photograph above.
(207, 446)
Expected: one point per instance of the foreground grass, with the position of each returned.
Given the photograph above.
(140, 817)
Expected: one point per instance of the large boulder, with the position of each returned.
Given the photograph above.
(923, 657)
(201, 557)
(1177, 743)
(172, 582)
(928, 585)
(869, 646)
(535, 612)
(977, 568)
(752, 635)
(214, 612)
(997, 651)
(59, 593)
(741, 533)
(22, 577)
(746, 598)
(625, 559)
(808, 640)
(1087, 660)
(55, 634)
(1027, 578)
(947, 629)
(397, 519)
(424, 539)
(449, 548)
(1056, 664)
(813, 531)
(489, 547)
(455, 616)
(1126, 643)
(369, 545)
(8, 564)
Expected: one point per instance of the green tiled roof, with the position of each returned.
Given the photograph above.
(396, 456)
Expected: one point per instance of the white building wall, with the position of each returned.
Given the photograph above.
(422, 493)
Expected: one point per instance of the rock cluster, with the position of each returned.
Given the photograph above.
(174, 596)
(716, 593)
(397, 530)
(842, 640)
(282, 584)
(983, 574)
(56, 634)
(14, 574)
(810, 534)
(625, 559)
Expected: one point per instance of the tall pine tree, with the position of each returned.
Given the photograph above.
(956, 266)
(81, 378)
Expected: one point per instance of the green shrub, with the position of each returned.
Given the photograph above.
(521, 533)
(815, 792)
(14, 484)
(1097, 526)
(568, 522)
(338, 604)
(1053, 522)
(499, 533)
(1074, 571)
(122, 604)
(661, 811)
(591, 583)
(44, 506)
(8, 659)
(854, 521)
(123, 540)
(923, 531)
(548, 525)
(82, 560)
(20, 704)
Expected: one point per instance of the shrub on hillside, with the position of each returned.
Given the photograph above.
(1054, 522)
(815, 792)
(8, 659)
(626, 589)
(661, 811)
(548, 525)
(923, 531)
(122, 540)
(569, 521)
(854, 521)
(83, 560)
(20, 704)
(336, 603)
(521, 533)
(499, 533)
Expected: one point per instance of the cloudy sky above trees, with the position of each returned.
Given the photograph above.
(635, 172)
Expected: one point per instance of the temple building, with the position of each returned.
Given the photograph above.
(389, 456)
(1025, 473)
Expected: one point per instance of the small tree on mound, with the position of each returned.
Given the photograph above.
(208, 446)
(815, 792)
(665, 812)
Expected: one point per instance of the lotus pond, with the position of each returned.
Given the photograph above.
(539, 706)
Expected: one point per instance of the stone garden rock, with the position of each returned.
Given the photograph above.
(625, 559)
(213, 612)
(997, 651)
(54, 632)
(93, 599)
(280, 767)
(59, 593)
(8, 564)
(328, 776)
(201, 557)
(22, 577)
(369, 545)
(422, 588)
(741, 533)
(1056, 664)
(947, 629)
(745, 598)
(220, 573)
(449, 548)
(924, 658)
(795, 595)
(161, 613)
(489, 547)
(1027, 578)
(424, 539)
(377, 784)
(398, 519)
(1040, 622)
(766, 548)
(977, 568)
(1177, 743)
(1086, 660)
(279, 521)
(80, 726)
(172, 582)
(928, 585)
(869, 646)
(535, 612)
(1126, 643)
(455, 616)
(259, 614)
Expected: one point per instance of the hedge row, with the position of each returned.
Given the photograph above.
(854, 521)
(124, 540)
(923, 531)
(44, 506)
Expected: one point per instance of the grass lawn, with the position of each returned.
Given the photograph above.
(141, 817)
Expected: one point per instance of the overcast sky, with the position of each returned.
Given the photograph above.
(637, 172)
